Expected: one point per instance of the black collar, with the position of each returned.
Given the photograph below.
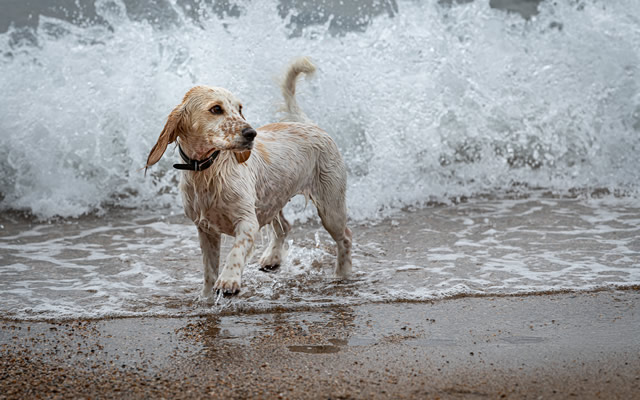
(196, 165)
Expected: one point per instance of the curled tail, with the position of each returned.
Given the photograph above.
(292, 111)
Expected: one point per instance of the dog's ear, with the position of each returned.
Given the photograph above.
(168, 135)
(242, 157)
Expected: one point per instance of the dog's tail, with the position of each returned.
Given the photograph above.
(291, 110)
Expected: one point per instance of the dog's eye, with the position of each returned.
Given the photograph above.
(216, 110)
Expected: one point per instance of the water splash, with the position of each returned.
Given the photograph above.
(135, 265)
(434, 102)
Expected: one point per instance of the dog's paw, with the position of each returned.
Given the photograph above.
(271, 260)
(343, 269)
(269, 267)
(230, 285)
(207, 295)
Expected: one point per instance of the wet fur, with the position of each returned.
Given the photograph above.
(237, 196)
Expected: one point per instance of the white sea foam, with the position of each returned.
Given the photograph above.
(438, 101)
(142, 265)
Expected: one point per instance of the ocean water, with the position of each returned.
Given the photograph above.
(133, 263)
(523, 127)
(430, 102)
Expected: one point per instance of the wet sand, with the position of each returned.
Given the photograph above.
(582, 345)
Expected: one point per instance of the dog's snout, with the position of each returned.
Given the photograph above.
(249, 133)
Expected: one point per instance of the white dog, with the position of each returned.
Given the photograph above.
(237, 179)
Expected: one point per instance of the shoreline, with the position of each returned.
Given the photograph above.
(553, 345)
(279, 309)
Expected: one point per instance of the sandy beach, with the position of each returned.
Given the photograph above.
(582, 345)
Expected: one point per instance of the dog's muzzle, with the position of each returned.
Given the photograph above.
(249, 134)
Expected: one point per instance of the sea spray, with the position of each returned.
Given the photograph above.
(433, 102)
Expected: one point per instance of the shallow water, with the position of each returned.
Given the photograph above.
(139, 263)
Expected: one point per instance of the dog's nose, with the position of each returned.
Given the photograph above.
(249, 133)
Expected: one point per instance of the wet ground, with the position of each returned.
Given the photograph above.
(556, 346)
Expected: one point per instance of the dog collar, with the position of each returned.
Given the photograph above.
(195, 165)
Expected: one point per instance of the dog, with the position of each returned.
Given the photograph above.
(236, 179)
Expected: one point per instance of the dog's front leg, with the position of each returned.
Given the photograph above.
(210, 245)
(231, 275)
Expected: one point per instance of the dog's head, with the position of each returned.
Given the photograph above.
(208, 119)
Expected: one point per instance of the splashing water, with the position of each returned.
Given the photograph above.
(132, 264)
(436, 101)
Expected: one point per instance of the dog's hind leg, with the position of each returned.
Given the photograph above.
(330, 200)
(334, 221)
(276, 252)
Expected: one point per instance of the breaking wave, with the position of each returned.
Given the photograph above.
(427, 102)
